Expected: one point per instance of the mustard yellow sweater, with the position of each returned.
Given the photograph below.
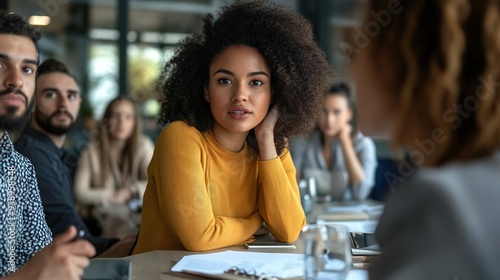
(200, 196)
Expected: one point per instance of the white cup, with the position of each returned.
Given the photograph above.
(327, 252)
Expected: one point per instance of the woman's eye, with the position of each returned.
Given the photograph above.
(224, 81)
(256, 83)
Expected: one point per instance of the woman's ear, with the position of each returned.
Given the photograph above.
(205, 94)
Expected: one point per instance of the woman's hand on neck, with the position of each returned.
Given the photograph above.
(264, 132)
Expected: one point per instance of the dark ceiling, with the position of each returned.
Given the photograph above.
(179, 16)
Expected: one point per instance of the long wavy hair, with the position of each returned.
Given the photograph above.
(300, 73)
(103, 141)
(443, 58)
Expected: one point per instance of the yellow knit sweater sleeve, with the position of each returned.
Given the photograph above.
(181, 205)
(279, 198)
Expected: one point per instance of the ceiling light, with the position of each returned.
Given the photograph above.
(39, 20)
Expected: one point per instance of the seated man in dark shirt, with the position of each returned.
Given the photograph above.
(27, 250)
(57, 104)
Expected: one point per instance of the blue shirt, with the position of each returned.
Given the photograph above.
(55, 186)
(23, 230)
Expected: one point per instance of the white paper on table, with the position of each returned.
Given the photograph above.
(281, 265)
(356, 207)
(357, 274)
(367, 226)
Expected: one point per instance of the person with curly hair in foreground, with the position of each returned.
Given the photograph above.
(432, 87)
(232, 95)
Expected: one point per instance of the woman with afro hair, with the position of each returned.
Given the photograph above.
(231, 97)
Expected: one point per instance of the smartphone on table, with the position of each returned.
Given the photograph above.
(269, 245)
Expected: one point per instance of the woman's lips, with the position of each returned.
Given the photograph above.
(239, 112)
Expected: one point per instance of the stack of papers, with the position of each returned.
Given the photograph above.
(351, 211)
(282, 265)
(343, 216)
(367, 226)
(368, 208)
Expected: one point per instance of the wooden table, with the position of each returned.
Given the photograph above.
(157, 264)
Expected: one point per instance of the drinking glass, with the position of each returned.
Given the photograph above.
(307, 188)
(327, 252)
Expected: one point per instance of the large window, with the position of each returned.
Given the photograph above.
(144, 66)
(102, 75)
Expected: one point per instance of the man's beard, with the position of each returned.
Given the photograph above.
(9, 121)
(45, 122)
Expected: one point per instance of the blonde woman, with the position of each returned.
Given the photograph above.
(113, 168)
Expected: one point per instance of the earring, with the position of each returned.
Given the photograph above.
(206, 96)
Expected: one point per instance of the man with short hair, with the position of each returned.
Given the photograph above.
(26, 251)
(57, 104)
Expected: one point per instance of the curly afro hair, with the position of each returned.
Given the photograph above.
(300, 73)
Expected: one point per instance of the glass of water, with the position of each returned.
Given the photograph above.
(327, 252)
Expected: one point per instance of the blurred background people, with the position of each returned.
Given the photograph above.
(112, 169)
(336, 154)
(56, 108)
(432, 87)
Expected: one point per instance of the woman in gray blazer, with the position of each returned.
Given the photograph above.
(432, 86)
(336, 154)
